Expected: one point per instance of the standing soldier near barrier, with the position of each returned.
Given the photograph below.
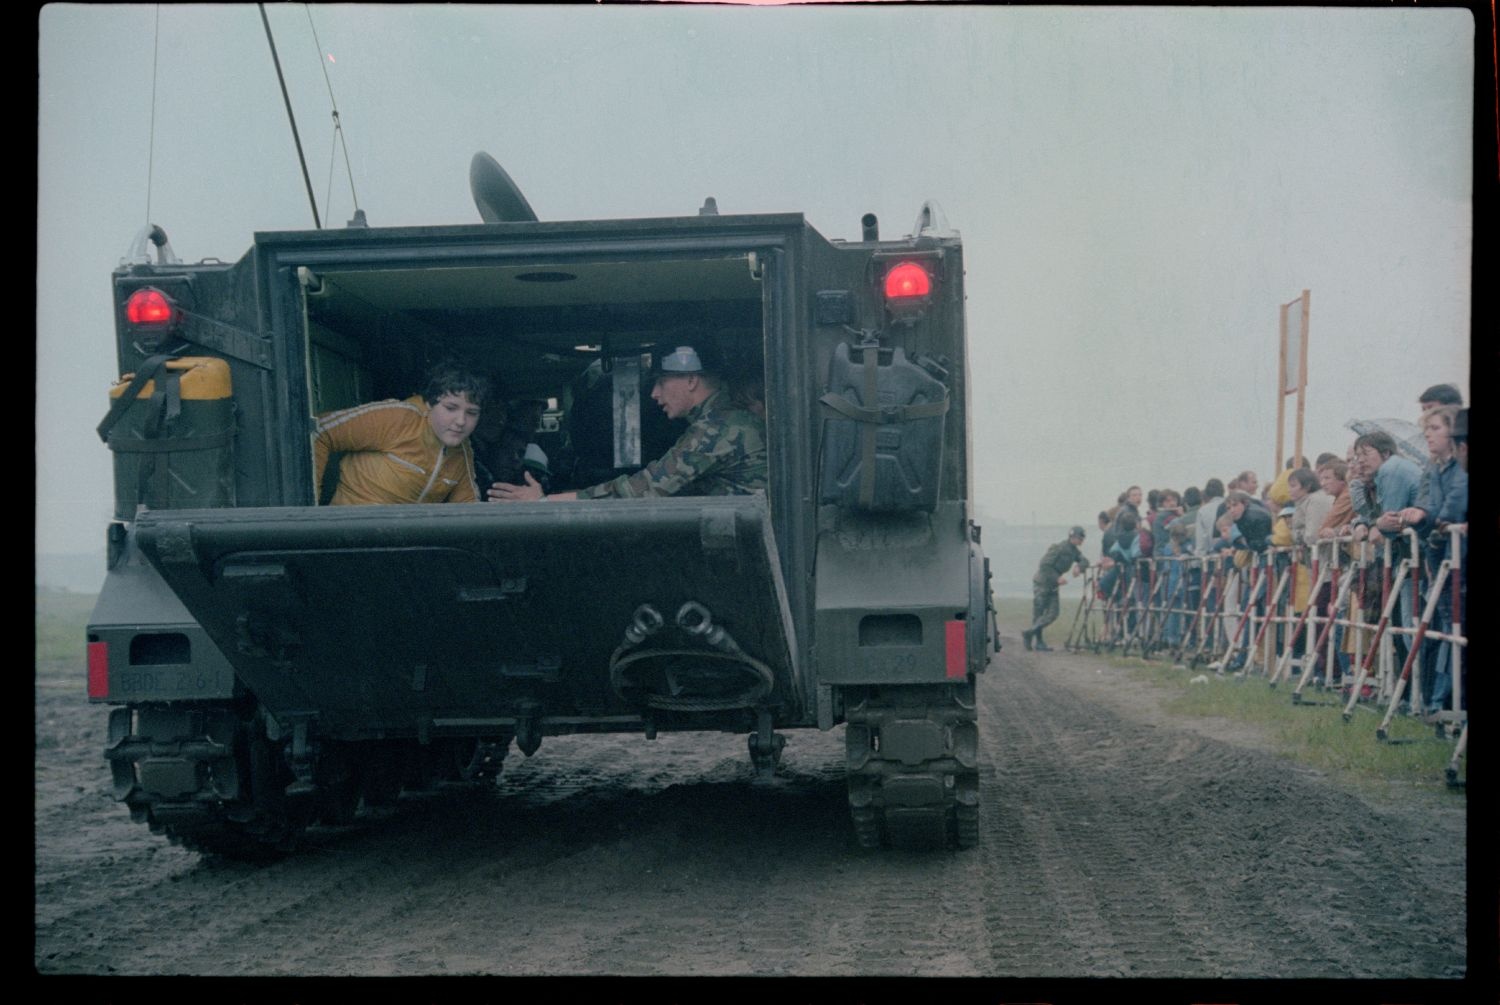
(1051, 574)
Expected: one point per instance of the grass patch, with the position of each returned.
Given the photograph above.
(1311, 733)
(61, 623)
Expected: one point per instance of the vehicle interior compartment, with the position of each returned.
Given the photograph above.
(565, 345)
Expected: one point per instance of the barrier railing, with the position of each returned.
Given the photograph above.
(1255, 618)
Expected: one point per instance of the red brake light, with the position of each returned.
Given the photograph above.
(150, 308)
(956, 652)
(98, 669)
(907, 280)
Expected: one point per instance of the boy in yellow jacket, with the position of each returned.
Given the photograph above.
(414, 450)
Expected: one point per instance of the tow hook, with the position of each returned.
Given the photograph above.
(765, 747)
(528, 728)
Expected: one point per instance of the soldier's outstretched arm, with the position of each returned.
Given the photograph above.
(695, 454)
(531, 491)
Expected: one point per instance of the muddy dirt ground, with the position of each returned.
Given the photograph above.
(1117, 841)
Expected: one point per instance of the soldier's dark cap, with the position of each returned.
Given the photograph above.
(1461, 423)
(1078, 533)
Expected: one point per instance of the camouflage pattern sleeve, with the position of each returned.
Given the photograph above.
(1057, 561)
(1046, 571)
(1080, 558)
(722, 453)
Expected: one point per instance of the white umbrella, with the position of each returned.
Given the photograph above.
(1410, 442)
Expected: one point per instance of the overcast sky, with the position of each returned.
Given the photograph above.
(1137, 189)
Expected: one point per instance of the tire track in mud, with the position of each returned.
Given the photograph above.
(746, 878)
(502, 880)
(346, 885)
(603, 860)
(1160, 852)
(1095, 907)
(624, 892)
(90, 858)
(902, 912)
(228, 918)
(906, 913)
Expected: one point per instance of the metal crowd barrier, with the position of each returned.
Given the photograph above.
(1244, 622)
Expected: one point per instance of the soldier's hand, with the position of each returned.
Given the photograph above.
(1062, 579)
(530, 492)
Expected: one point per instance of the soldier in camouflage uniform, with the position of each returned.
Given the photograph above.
(722, 452)
(1051, 574)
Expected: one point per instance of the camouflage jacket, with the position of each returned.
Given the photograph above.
(722, 453)
(1058, 560)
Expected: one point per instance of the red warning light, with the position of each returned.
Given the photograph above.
(98, 663)
(907, 280)
(955, 652)
(149, 307)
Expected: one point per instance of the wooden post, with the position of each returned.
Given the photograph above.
(1299, 387)
(1280, 401)
(1302, 373)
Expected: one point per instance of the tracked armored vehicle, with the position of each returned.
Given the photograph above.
(276, 663)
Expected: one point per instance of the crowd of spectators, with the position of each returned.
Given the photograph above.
(1371, 492)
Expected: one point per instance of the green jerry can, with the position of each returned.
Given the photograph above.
(170, 428)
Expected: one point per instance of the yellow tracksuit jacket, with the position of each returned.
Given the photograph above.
(391, 456)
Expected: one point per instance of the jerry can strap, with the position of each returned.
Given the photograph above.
(128, 397)
(887, 415)
(164, 446)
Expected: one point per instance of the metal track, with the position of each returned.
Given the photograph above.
(912, 756)
(207, 777)
(262, 838)
(210, 778)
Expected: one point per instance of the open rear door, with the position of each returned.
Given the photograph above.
(390, 620)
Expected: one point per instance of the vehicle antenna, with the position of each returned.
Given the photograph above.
(338, 128)
(151, 140)
(292, 118)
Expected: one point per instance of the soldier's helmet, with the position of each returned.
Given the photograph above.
(1077, 532)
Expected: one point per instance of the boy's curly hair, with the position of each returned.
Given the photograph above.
(451, 376)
